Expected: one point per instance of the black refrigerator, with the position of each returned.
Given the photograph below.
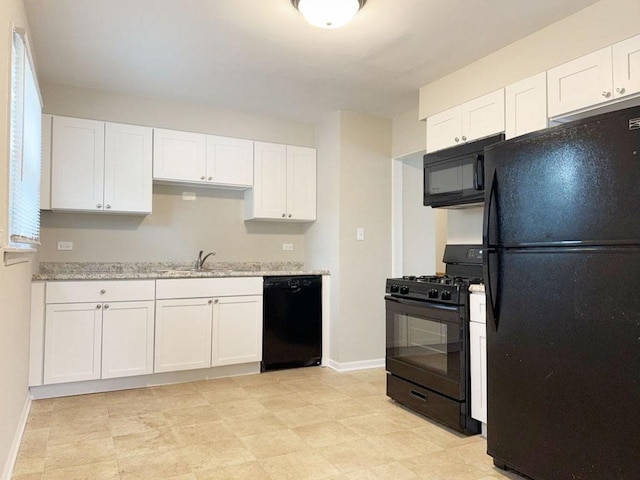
(562, 257)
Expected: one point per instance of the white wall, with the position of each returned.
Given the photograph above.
(177, 229)
(354, 179)
(595, 27)
(15, 280)
(322, 240)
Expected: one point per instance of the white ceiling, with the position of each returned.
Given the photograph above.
(261, 56)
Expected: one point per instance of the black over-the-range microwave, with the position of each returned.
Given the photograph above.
(454, 177)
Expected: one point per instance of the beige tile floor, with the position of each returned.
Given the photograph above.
(310, 423)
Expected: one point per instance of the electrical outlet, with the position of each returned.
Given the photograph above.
(65, 245)
(190, 196)
(287, 246)
(360, 234)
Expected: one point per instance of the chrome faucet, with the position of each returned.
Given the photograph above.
(200, 261)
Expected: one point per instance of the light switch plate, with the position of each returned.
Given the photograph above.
(190, 196)
(360, 234)
(287, 246)
(65, 245)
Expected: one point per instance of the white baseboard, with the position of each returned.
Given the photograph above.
(13, 454)
(352, 366)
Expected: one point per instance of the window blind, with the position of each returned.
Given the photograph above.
(25, 149)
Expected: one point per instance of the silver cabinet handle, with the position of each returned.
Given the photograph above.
(216, 301)
(210, 178)
(98, 307)
(457, 139)
(107, 206)
(106, 306)
(202, 177)
(606, 94)
(99, 205)
(210, 302)
(289, 215)
(103, 291)
(464, 139)
(620, 90)
(284, 215)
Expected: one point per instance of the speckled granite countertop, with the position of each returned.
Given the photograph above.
(51, 271)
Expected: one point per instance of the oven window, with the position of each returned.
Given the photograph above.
(428, 344)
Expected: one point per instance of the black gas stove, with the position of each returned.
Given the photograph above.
(427, 353)
(443, 288)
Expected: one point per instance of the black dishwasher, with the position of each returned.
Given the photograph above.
(292, 330)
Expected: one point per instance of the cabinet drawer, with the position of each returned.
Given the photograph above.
(478, 307)
(100, 291)
(208, 287)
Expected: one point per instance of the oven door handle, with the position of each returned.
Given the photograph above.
(421, 304)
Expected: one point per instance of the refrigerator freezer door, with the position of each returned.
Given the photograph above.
(578, 183)
(564, 363)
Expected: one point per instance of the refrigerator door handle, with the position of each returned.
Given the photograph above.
(486, 220)
(492, 279)
(489, 240)
(478, 170)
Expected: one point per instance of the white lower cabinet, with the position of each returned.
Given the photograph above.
(478, 356)
(237, 330)
(72, 342)
(183, 334)
(127, 338)
(98, 329)
(92, 330)
(222, 325)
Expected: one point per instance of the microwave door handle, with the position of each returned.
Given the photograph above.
(478, 171)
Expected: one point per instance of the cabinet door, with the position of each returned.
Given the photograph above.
(581, 83)
(183, 334)
(179, 156)
(237, 330)
(229, 161)
(626, 67)
(526, 106)
(478, 352)
(269, 198)
(483, 116)
(444, 129)
(301, 183)
(45, 171)
(77, 164)
(72, 345)
(127, 339)
(128, 168)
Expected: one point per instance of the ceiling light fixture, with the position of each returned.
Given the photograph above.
(328, 13)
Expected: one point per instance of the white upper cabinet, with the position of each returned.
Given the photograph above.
(179, 156)
(128, 184)
(45, 171)
(626, 67)
(470, 121)
(301, 183)
(581, 83)
(526, 106)
(229, 161)
(100, 167)
(612, 73)
(284, 186)
(199, 158)
(77, 164)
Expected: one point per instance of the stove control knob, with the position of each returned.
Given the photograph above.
(394, 288)
(404, 290)
(433, 293)
(445, 295)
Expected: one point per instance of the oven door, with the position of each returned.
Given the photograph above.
(425, 345)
